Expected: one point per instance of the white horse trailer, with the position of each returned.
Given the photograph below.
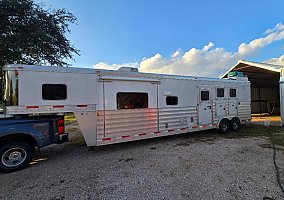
(126, 105)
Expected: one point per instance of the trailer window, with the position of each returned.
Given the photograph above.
(131, 100)
(172, 100)
(54, 91)
(233, 92)
(220, 92)
(204, 95)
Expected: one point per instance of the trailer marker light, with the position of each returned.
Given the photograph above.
(59, 106)
(170, 130)
(82, 106)
(32, 106)
(214, 124)
(104, 139)
(142, 134)
(125, 136)
(194, 126)
(182, 129)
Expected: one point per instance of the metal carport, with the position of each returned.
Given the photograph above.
(264, 80)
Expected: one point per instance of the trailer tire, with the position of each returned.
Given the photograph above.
(15, 156)
(235, 124)
(224, 126)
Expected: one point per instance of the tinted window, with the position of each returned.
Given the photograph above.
(233, 92)
(172, 100)
(204, 95)
(220, 92)
(131, 100)
(54, 91)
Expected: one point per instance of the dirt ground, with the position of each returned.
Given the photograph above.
(203, 165)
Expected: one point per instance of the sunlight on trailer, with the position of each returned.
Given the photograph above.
(126, 105)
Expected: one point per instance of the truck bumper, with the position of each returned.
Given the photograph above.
(62, 138)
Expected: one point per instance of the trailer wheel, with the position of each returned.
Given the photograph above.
(235, 124)
(15, 156)
(224, 126)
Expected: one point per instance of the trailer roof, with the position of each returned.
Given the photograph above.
(104, 72)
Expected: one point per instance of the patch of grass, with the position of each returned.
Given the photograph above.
(278, 139)
(276, 134)
(69, 118)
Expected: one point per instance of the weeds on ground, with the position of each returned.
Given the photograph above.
(276, 135)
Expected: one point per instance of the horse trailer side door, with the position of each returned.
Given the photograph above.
(205, 105)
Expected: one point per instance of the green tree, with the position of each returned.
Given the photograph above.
(32, 34)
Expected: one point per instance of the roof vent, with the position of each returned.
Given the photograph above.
(128, 69)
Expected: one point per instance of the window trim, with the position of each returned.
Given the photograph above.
(172, 97)
(54, 99)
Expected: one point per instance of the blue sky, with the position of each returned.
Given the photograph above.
(181, 37)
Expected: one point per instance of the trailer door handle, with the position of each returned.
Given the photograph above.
(209, 107)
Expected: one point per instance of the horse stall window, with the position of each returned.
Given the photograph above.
(54, 91)
(233, 92)
(204, 95)
(220, 92)
(171, 100)
(131, 100)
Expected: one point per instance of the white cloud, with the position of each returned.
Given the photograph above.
(103, 65)
(276, 61)
(209, 61)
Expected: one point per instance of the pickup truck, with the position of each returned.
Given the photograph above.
(20, 136)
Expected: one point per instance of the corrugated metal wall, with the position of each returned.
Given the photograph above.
(265, 100)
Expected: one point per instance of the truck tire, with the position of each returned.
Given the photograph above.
(235, 124)
(15, 156)
(224, 126)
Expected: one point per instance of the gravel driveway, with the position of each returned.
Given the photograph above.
(188, 166)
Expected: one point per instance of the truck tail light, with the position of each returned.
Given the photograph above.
(60, 126)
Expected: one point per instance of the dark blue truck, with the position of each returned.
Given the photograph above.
(19, 136)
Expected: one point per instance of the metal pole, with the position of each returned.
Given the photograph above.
(281, 91)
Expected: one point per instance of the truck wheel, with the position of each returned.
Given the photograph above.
(235, 124)
(224, 126)
(15, 156)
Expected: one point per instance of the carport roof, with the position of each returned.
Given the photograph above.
(259, 74)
